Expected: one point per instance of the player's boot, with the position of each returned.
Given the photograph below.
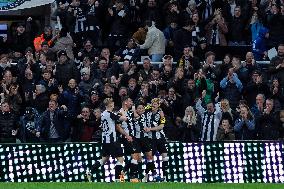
(88, 176)
(158, 178)
(122, 177)
(145, 179)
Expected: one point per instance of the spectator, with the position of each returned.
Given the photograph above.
(210, 120)
(47, 36)
(281, 125)
(189, 62)
(190, 94)
(145, 72)
(267, 124)
(245, 125)
(71, 97)
(277, 94)
(65, 69)
(53, 123)
(154, 42)
(49, 82)
(8, 124)
(225, 131)
(152, 12)
(259, 106)
(94, 102)
(190, 127)
(275, 23)
(201, 49)
(278, 71)
(250, 64)
(182, 38)
(94, 11)
(256, 86)
(64, 42)
(129, 52)
(29, 125)
(22, 37)
(84, 126)
(28, 84)
(39, 99)
(210, 68)
(259, 47)
(87, 83)
(226, 65)
(118, 19)
(256, 23)
(88, 51)
(169, 36)
(204, 86)
(232, 88)
(216, 30)
(14, 98)
(237, 28)
(140, 35)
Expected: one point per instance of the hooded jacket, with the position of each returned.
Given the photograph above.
(259, 44)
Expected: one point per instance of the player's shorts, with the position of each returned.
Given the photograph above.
(113, 149)
(143, 145)
(159, 145)
(129, 147)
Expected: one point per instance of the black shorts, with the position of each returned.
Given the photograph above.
(143, 145)
(113, 149)
(159, 145)
(129, 147)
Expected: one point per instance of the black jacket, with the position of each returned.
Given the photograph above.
(8, 122)
(60, 123)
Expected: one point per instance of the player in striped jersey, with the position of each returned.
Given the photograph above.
(155, 123)
(110, 145)
(130, 146)
(143, 142)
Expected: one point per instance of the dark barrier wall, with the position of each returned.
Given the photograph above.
(239, 162)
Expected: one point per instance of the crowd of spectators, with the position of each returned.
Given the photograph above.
(53, 83)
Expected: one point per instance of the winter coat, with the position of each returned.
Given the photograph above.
(155, 41)
(65, 43)
(222, 29)
(259, 44)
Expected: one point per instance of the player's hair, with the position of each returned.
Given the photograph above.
(107, 101)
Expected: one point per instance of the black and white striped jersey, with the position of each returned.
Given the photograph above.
(210, 126)
(139, 124)
(154, 119)
(128, 126)
(210, 122)
(108, 122)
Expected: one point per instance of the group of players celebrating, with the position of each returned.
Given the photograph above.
(141, 131)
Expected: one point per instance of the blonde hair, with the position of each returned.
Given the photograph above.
(193, 118)
(107, 101)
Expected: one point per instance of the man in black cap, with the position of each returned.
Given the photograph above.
(65, 69)
(22, 38)
(201, 49)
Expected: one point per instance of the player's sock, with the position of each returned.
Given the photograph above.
(165, 166)
(97, 165)
(140, 170)
(118, 170)
(134, 169)
(150, 166)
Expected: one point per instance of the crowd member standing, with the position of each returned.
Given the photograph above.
(210, 120)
